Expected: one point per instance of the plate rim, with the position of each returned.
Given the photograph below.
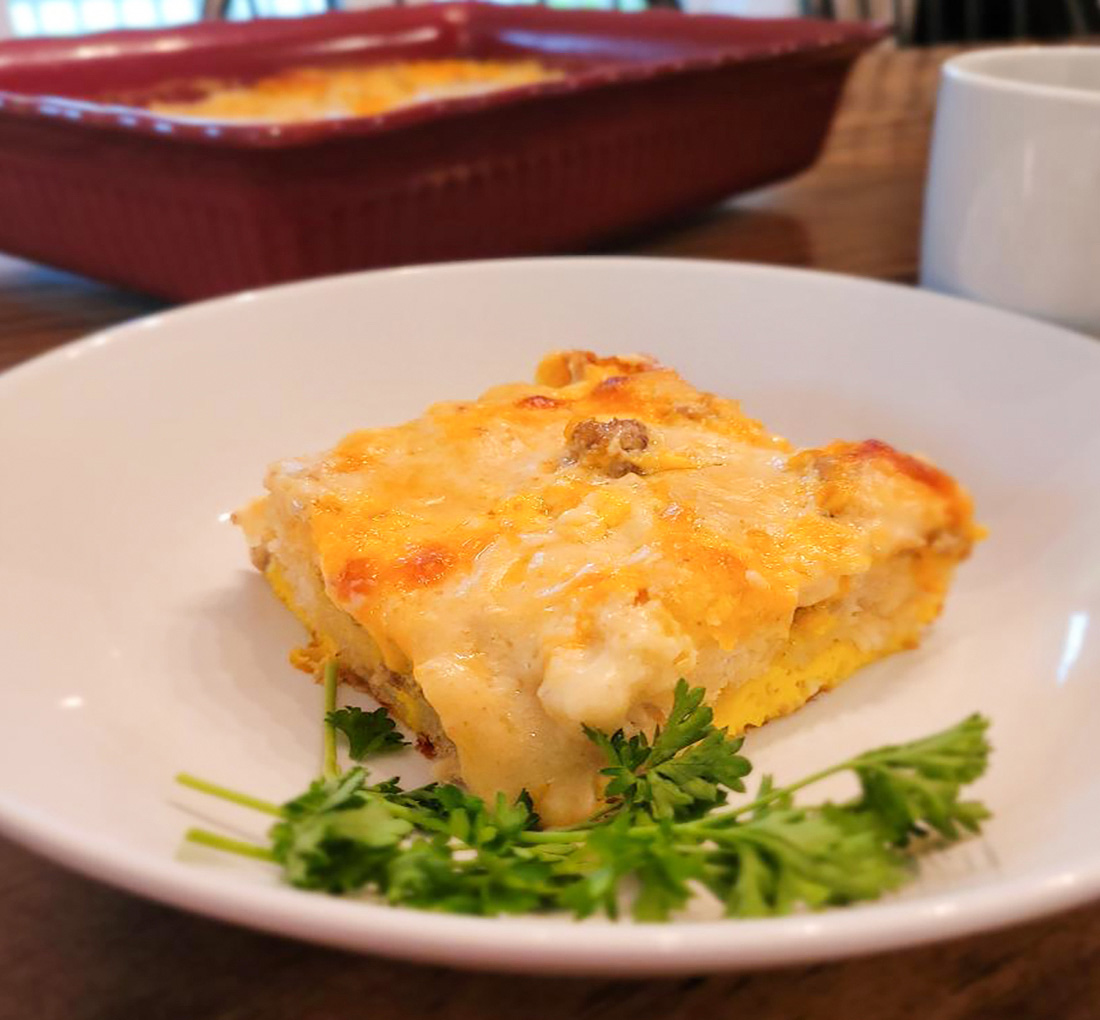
(532, 943)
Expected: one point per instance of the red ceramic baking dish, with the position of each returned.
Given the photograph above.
(656, 113)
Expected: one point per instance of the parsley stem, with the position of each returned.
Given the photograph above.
(553, 835)
(421, 819)
(330, 769)
(232, 846)
(784, 791)
(723, 819)
(243, 799)
(718, 820)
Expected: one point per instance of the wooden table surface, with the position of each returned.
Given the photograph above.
(70, 948)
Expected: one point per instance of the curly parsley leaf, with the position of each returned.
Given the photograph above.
(913, 787)
(789, 857)
(337, 837)
(368, 733)
(685, 772)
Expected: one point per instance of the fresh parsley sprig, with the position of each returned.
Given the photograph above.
(666, 832)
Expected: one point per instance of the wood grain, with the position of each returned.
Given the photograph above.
(858, 211)
(72, 949)
(42, 308)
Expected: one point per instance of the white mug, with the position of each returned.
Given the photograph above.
(1012, 206)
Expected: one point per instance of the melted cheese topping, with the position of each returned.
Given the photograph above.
(317, 93)
(560, 554)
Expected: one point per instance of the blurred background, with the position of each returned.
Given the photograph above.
(916, 22)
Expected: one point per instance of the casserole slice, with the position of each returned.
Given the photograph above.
(500, 571)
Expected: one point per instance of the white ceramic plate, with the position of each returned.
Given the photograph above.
(138, 641)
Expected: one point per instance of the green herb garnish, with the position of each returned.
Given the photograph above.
(368, 733)
(666, 830)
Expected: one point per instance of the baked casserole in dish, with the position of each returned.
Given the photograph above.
(108, 168)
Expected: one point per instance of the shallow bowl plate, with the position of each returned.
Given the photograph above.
(139, 642)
